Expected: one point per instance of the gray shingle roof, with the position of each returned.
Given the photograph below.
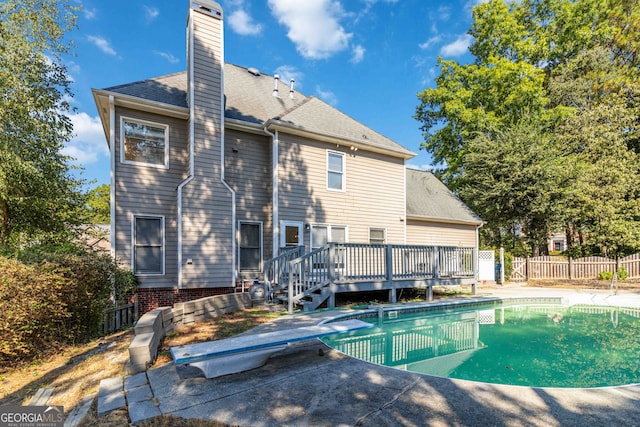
(249, 98)
(428, 198)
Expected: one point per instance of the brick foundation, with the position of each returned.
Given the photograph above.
(152, 298)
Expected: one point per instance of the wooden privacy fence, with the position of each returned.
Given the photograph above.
(554, 267)
(120, 316)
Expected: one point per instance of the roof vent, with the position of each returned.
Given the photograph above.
(254, 71)
(291, 88)
(276, 77)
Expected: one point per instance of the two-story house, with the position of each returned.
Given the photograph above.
(215, 169)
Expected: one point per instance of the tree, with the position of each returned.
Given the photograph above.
(38, 195)
(544, 70)
(513, 177)
(98, 200)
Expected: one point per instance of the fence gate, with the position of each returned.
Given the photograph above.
(519, 270)
(486, 266)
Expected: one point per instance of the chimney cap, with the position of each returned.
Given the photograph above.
(207, 6)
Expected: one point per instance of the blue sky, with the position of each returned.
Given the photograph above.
(368, 58)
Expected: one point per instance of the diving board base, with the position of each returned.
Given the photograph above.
(236, 362)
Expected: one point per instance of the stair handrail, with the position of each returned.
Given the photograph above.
(306, 273)
(276, 269)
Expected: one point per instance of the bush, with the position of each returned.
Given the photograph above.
(622, 273)
(605, 275)
(53, 297)
(33, 313)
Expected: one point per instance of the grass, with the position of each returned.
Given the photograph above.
(76, 371)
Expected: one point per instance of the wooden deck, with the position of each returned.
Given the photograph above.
(315, 277)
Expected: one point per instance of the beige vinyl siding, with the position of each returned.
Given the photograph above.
(149, 190)
(207, 203)
(440, 234)
(373, 196)
(248, 172)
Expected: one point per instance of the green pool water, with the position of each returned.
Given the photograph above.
(528, 345)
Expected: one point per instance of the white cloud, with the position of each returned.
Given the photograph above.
(102, 44)
(358, 54)
(243, 24)
(89, 14)
(327, 96)
(313, 25)
(168, 56)
(88, 142)
(457, 48)
(430, 42)
(150, 13)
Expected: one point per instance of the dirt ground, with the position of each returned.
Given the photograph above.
(76, 372)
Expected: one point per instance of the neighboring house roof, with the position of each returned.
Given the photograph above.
(429, 199)
(249, 98)
(96, 236)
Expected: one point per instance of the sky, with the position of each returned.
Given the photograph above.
(368, 58)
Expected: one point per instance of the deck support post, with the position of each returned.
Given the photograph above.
(389, 273)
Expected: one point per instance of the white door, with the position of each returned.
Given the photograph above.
(291, 234)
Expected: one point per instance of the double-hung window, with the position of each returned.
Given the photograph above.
(143, 142)
(250, 246)
(336, 171)
(148, 245)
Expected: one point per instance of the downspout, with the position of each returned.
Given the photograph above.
(191, 149)
(275, 243)
(112, 177)
(234, 236)
(404, 205)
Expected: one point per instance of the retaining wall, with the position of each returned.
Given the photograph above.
(154, 325)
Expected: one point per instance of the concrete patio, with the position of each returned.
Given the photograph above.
(311, 385)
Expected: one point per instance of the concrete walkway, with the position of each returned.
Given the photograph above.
(311, 385)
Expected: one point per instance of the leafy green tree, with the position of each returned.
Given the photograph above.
(98, 200)
(553, 93)
(38, 195)
(514, 176)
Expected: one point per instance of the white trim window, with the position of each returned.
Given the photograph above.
(143, 142)
(377, 236)
(147, 255)
(321, 234)
(336, 171)
(250, 246)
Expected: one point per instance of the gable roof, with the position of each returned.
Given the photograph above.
(430, 199)
(249, 98)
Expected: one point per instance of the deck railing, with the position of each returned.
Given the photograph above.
(339, 263)
(276, 270)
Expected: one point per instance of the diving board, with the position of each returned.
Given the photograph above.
(241, 353)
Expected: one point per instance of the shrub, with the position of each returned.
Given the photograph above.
(605, 275)
(622, 273)
(33, 313)
(53, 297)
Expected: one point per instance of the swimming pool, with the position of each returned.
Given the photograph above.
(536, 343)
